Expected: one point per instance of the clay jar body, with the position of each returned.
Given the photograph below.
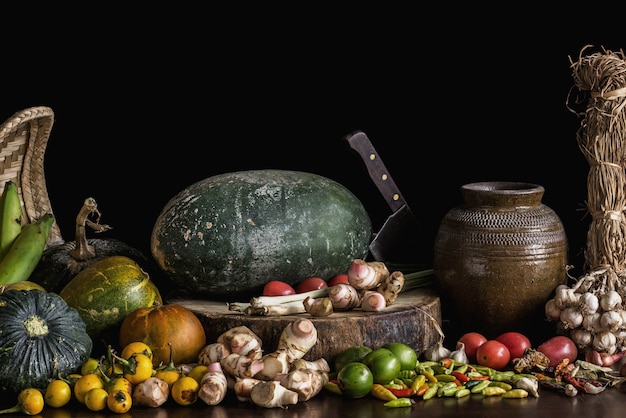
(498, 257)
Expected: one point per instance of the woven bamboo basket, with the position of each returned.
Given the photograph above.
(23, 140)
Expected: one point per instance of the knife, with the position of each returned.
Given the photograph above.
(398, 240)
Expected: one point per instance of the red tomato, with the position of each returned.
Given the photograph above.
(558, 348)
(277, 288)
(340, 278)
(472, 341)
(312, 283)
(516, 342)
(493, 354)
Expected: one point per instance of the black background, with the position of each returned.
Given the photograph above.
(148, 102)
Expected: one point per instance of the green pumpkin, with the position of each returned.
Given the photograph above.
(41, 338)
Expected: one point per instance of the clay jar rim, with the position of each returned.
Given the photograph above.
(509, 193)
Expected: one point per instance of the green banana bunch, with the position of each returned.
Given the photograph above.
(10, 216)
(26, 251)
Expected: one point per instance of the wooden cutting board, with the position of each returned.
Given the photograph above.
(414, 319)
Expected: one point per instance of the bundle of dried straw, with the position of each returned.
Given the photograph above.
(602, 139)
(593, 309)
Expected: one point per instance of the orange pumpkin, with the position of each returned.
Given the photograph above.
(159, 325)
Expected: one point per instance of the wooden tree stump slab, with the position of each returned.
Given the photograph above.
(414, 319)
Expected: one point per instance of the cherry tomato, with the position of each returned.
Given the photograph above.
(472, 341)
(139, 368)
(516, 342)
(31, 401)
(493, 354)
(119, 401)
(278, 288)
(312, 283)
(339, 278)
(558, 348)
(58, 393)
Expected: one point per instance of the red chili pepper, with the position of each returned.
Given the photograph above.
(484, 377)
(402, 393)
(460, 376)
(446, 362)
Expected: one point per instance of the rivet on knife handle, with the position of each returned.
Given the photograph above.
(377, 169)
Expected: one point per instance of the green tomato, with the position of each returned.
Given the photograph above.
(405, 353)
(354, 353)
(355, 380)
(384, 364)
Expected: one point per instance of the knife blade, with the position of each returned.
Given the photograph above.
(398, 240)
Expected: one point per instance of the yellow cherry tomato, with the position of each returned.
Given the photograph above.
(96, 399)
(169, 375)
(197, 372)
(58, 393)
(85, 384)
(31, 401)
(185, 390)
(138, 368)
(119, 401)
(118, 383)
(115, 370)
(136, 347)
(90, 366)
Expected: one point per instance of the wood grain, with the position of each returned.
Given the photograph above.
(410, 320)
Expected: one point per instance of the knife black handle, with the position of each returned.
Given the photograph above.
(377, 170)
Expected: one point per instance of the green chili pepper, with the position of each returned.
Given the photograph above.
(501, 384)
(462, 393)
(478, 388)
(515, 394)
(399, 403)
(430, 392)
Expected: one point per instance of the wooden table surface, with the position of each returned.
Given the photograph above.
(610, 403)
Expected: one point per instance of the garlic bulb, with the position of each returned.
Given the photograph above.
(571, 317)
(605, 341)
(459, 355)
(588, 303)
(610, 300)
(437, 352)
(611, 321)
(581, 337)
(591, 322)
(565, 297)
(553, 312)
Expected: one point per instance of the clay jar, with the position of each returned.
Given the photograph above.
(498, 257)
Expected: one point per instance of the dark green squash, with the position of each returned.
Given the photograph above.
(227, 235)
(41, 337)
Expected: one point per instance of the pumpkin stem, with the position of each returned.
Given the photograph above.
(83, 250)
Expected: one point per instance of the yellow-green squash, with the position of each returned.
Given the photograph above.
(228, 235)
(105, 292)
